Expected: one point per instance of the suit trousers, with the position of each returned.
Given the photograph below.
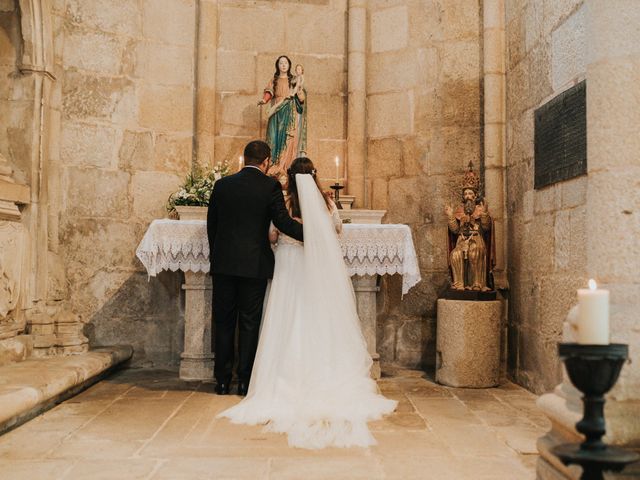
(237, 301)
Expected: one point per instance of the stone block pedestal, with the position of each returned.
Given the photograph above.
(468, 343)
(197, 360)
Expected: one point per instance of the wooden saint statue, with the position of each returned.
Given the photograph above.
(471, 254)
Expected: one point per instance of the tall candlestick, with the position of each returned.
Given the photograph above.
(337, 169)
(345, 181)
(593, 315)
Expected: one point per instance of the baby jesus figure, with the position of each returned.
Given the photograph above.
(298, 82)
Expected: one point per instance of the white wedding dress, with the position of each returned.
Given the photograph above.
(311, 376)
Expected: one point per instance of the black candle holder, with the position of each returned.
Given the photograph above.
(336, 187)
(594, 370)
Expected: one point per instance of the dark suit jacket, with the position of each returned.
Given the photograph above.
(240, 211)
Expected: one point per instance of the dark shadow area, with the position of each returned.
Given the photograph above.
(152, 379)
(146, 313)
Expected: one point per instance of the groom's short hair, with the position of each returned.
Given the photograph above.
(256, 152)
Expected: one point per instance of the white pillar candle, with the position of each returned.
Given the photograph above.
(240, 162)
(593, 315)
(337, 169)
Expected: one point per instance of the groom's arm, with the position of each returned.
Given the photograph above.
(212, 221)
(280, 215)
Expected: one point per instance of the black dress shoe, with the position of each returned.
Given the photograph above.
(243, 388)
(222, 388)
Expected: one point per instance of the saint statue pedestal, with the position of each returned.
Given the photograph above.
(468, 343)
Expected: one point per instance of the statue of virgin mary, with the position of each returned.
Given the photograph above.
(286, 115)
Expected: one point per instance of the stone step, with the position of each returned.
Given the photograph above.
(35, 385)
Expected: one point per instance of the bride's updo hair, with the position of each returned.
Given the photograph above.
(301, 165)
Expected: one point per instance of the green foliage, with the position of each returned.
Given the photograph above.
(197, 187)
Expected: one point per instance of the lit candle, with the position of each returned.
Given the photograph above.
(337, 169)
(593, 315)
(240, 162)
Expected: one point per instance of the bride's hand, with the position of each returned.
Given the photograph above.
(273, 235)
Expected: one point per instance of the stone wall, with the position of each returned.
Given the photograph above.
(127, 89)
(610, 223)
(16, 101)
(118, 101)
(123, 105)
(424, 104)
(547, 241)
(125, 79)
(16, 110)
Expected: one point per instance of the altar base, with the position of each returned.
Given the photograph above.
(197, 360)
(366, 289)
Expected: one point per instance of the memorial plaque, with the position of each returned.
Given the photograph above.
(560, 137)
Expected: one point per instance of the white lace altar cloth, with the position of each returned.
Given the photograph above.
(368, 249)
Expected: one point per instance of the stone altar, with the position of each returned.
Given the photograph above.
(369, 250)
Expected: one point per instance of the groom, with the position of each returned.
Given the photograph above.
(240, 211)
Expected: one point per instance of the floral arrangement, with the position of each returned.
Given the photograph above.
(197, 187)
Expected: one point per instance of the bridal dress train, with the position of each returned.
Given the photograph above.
(311, 376)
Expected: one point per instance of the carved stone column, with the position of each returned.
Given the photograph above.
(494, 128)
(205, 91)
(357, 103)
(197, 360)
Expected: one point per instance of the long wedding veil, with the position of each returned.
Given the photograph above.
(328, 285)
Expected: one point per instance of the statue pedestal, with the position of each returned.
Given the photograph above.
(197, 360)
(468, 343)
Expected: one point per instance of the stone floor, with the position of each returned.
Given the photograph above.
(142, 424)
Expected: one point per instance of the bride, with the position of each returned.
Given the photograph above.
(311, 377)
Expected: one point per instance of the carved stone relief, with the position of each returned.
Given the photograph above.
(12, 239)
(8, 208)
(6, 172)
